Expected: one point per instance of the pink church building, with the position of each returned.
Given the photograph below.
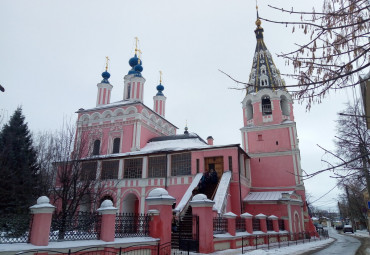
(134, 149)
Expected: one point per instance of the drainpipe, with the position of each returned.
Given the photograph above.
(165, 180)
(240, 188)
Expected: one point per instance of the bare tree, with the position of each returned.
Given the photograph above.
(74, 184)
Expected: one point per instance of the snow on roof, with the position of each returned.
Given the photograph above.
(176, 144)
(266, 196)
(118, 103)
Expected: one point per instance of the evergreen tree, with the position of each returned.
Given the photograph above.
(18, 166)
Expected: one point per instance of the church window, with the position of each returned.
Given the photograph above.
(116, 145)
(259, 138)
(231, 163)
(249, 110)
(88, 170)
(197, 165)
(284, 106)
(133, 168)
(96, 148)
(128, 91)
(266, 105)
(181, 164)
(109, 169)
(157, 166)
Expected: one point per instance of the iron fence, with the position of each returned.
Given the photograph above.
(71, 227)
(131, 224)
(15, 228)
(219, 225)
(240, 224)
(280, 240)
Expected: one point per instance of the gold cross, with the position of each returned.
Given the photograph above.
(106, 63)
(136, 41)
(160, 77)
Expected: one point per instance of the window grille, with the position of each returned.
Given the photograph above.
(133, 168)
(181, 164)
(116, 145)
(157, 166)
(270, 226)
(96, 149)
(109, 169)
(256, 224)
(281, 225)
(88, 170)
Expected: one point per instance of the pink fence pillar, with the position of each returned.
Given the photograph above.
(275, 223)
(160, 206)
(108, 221)
(202, 207)
(248, 222)
(231, 227)
(263, 223)
(41, 222)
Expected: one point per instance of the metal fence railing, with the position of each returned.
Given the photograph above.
(80, 226)
(219, 225)
(14, 228)
(130, 224)
(240, 224)
(280, 240)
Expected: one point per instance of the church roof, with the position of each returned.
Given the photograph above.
(264, 73)
(266, 196)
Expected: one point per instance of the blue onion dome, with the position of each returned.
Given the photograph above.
(138, 68)
(132, 71)
(160, 88)
(133, 61)
(105, 76)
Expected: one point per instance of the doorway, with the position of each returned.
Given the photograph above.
(216, 163)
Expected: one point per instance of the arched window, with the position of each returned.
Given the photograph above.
(116, 145)
(266, 105)
(284, 105)
(128, 91)
(249, 110)
(96, 149)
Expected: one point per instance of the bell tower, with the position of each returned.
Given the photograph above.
(269, 134)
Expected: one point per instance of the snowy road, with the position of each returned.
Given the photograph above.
(345, 244)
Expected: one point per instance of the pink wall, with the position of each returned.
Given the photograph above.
(272, 171)
(269, 139)
(146, 135)
(278, 210)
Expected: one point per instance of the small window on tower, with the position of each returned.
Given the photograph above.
(259, 138)
(266, 105)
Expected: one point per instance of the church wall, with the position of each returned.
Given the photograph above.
(273, 171)
(270, 140)
(146, 135)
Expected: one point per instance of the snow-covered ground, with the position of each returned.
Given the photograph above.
(360, 233)
(292, 249)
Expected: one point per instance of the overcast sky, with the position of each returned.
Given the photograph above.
(52, 54)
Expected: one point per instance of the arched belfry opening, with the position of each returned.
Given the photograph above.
(284, 105)
(249, 110)
(266, 105)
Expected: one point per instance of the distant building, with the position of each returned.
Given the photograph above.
(135, 149)
(365, 92)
